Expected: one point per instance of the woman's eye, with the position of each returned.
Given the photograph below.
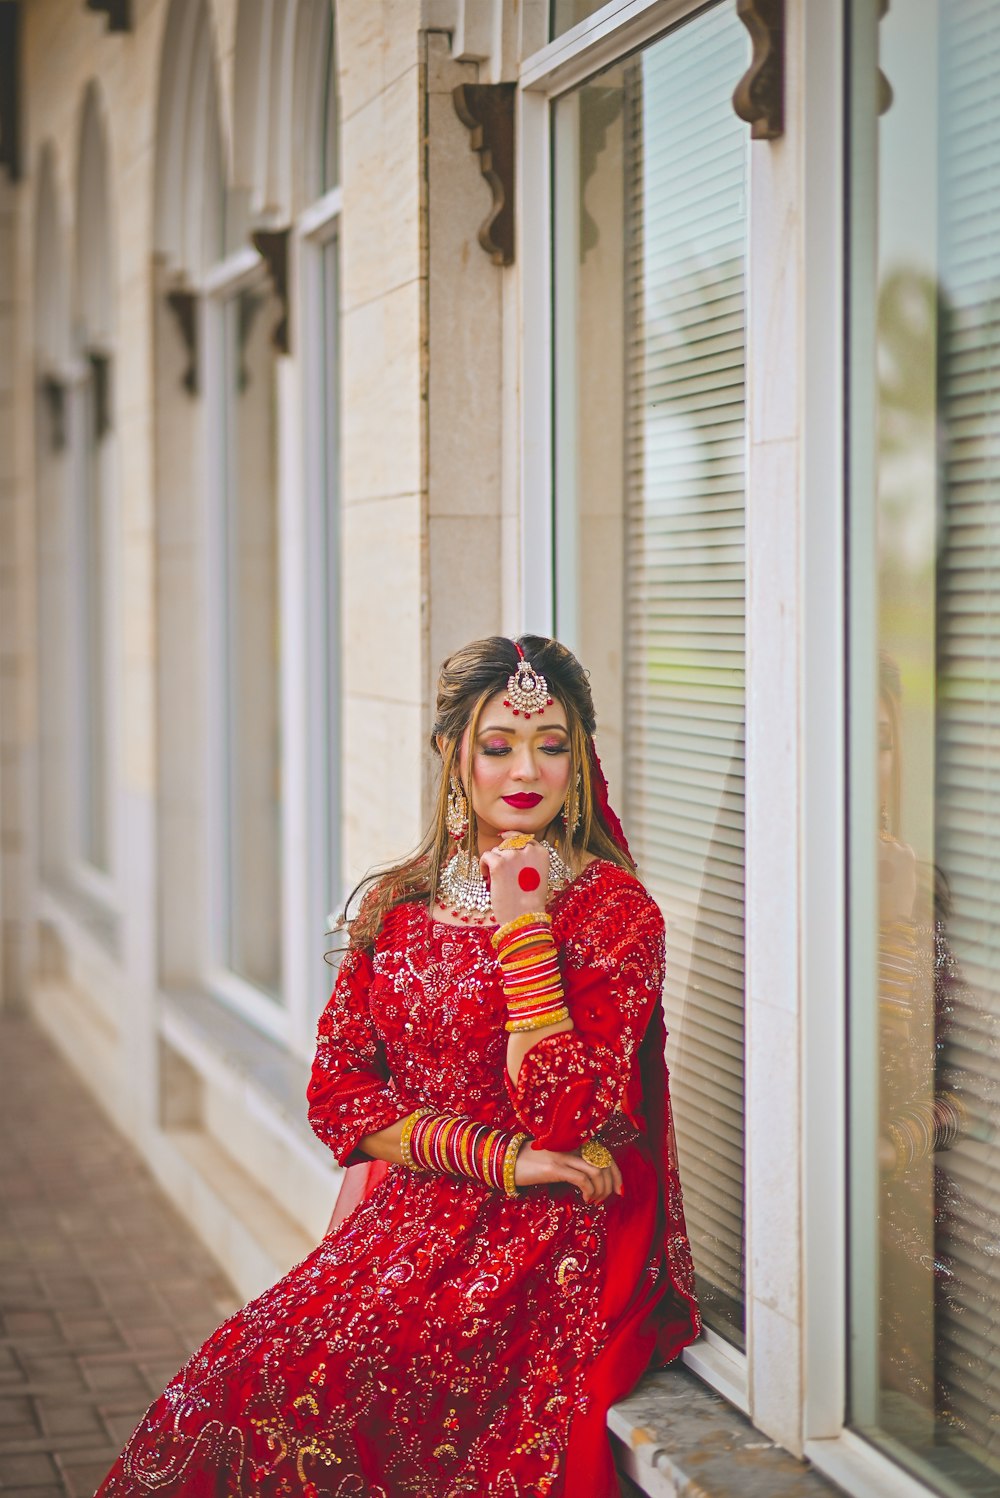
(556, 748)
(496, 748)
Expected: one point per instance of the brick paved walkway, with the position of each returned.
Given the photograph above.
(104, 1291)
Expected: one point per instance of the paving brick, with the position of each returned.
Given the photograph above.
(104, 1291)
(26, 1471)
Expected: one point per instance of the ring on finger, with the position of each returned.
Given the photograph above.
(595, 1153)
(515, 841)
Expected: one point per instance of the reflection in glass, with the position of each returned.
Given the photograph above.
(330, 151)
(565, 14)
(252, 716)
(925, 1003)
(650, 173)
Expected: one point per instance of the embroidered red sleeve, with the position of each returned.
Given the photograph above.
(570, 1084)
(350, 1092)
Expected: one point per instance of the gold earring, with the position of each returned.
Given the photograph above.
(457, 814)
(572, 811)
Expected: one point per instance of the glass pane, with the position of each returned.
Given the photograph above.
(253, 646)
(330, 154)
(332, 632)
(565, 14)
(925, 710)
(92, 637)
(650, 167)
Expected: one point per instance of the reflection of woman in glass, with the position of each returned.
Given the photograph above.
(922, 1110)
(491, 1066)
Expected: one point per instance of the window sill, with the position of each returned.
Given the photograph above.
(210, 1035)
(675, 1436)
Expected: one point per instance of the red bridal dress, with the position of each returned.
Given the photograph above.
(445, 1340)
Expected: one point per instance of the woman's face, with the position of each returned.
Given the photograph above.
(520, 768)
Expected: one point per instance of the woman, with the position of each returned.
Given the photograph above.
(491, 1065)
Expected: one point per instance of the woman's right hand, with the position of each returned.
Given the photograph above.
(546, 1167)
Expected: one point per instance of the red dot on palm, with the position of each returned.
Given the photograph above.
(529, 879)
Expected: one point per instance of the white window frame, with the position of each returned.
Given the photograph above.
(317, 227)
(560, 66)
(223, 281)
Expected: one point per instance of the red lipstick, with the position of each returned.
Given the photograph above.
(523, 801)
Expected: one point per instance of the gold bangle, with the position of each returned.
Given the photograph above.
(510, 1163)
(409, 1124)
(530, 917)
(518, 1026)
(596, 1153)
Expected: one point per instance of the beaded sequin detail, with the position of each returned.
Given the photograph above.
(463, 890)
(437, 1344)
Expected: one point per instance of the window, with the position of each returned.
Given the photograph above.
(247, 582)
(925, 749)
(650, 222)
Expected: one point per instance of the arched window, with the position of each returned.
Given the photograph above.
(222, 769)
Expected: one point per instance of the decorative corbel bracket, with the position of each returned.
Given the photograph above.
(118, 12)
(272, 246)
(54, 394)
(100, 374)
(10, 91)
(759, 97)
(487, 112)
(184, 306)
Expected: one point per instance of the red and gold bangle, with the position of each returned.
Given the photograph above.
(510, 1162)
(409, 1125)
(452, 1145)
(532, 981)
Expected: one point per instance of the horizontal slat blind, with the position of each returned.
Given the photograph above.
(685, 176)
(968, 788)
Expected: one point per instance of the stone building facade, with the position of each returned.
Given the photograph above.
(335, 333)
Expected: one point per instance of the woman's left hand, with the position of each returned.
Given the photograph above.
(518, 879)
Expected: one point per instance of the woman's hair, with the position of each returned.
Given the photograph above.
(468, 679)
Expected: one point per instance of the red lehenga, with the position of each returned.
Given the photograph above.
(446, 1341)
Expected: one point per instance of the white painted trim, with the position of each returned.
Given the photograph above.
(321, 217)
(534, 255)
(722, 1366)
(600, 40)
(268, 1014)
(865, 1472)
(822, 910)
(232, 274)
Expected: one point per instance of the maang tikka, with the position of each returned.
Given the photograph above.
(527, 689)
(457, 814)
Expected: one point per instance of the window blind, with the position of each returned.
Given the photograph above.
(968, 720)
(685, 587)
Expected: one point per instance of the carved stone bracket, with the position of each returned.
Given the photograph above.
(10, 93)
(100, 374)
(54, 394)
(184, 305)
(487, 112)
(759, 97)
(118, 12)
(272, 246)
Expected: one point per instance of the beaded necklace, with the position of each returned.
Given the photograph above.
(463, 890)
